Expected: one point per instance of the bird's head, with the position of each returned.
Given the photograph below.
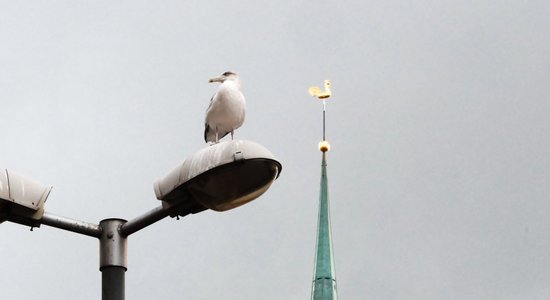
(225, 76)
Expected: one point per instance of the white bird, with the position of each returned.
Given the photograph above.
(226, 110)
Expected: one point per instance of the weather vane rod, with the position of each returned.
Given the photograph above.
(323, 95)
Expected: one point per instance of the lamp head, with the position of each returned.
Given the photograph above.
(220, 177)
(21, 199)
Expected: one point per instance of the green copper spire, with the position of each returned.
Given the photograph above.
(324, 280)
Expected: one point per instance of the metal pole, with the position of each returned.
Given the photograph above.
(113, 243)
(157, 214)
(144, 220)
(81, 227)
(113, 259)
(113, 283)
(324, 139)
(324, 109)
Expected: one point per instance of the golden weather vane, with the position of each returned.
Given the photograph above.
(323, 95)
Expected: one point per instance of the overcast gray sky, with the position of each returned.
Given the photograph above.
(439, 172)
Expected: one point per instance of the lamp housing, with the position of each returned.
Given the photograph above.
(21, 199)
(219, 177)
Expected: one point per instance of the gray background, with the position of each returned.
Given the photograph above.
(439, 170)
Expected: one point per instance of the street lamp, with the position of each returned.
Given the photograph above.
(220, 177)
(21, 199)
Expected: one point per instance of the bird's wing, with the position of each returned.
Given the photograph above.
(315, 91)
(206, 126)
(211, 102)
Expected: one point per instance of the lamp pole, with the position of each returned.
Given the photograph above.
(113, 259)
(198, 184)
(113, 243)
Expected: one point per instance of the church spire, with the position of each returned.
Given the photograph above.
(324, 278)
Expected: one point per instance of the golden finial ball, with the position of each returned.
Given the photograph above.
(324, 146)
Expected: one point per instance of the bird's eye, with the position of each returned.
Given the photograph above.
(227, 73)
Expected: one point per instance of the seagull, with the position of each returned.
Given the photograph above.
(226, 110)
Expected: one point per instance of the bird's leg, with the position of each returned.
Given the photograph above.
(231, 134)
(217, 140)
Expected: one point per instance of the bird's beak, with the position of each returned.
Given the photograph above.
(215, 79)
